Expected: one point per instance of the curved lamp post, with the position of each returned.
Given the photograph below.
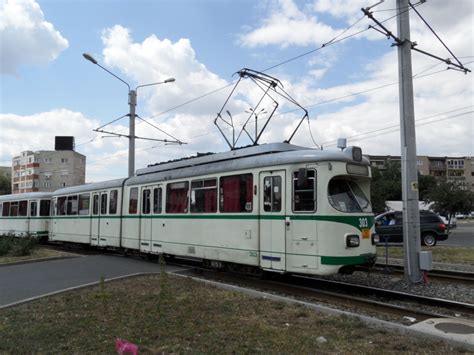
(132, 102)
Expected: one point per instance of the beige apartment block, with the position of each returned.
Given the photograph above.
(454, 169)
(47, 170)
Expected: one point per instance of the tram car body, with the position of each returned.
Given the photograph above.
(278, 207)
(25, 214)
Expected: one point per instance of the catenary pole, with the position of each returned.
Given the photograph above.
(132, 102)
(411, 213)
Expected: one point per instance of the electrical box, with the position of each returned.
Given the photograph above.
(426, 260)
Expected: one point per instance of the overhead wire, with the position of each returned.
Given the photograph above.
(333, 41)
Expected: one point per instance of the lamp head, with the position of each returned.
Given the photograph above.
(89, 57)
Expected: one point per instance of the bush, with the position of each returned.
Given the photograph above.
(23, 246)
(5, 245)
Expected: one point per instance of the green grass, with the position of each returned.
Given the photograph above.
(37, 253)
(441, 254)
(177, 315)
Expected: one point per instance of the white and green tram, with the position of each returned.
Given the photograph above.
(25, 214)
(276, 207)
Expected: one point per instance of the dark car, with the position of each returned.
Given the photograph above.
(389, 227)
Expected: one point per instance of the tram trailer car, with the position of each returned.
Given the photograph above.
(25, 214)
(277, 207)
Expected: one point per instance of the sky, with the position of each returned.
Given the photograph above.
(349, 86)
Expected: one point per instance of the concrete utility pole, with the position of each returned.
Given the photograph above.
(411, 213)
(132, 102)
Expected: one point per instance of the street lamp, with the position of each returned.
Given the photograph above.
(132, 102)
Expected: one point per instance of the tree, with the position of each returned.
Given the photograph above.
(386, 185)
(449, 198)
(426, 183)
(5, 185)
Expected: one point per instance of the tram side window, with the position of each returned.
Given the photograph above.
(23, 208)
(146, 203)
(84, 204)
(72, 206)
(103, 203)
(6, 209)
(33, 208)
(272, 194)
(177, 197)
(304, 191)
(113, 199)
(204, 196)
(236, 193)
(45, 206)
(61, 209)
(133, 203)
(157, 197)
(95, 205)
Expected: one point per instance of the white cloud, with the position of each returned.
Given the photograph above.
(20, 133)
(26, 37)
(287, 25)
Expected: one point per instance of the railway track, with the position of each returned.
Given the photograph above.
(438, 274)
(346, 295)
(393, 305)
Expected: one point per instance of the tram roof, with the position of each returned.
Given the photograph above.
(220, 157)
(25, 196)
(281, 154)
(90, 187)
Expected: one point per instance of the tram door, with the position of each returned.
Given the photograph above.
(272, 220)
(146, 221)
(99, 208)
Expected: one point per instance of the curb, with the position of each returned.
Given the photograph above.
(38, 260)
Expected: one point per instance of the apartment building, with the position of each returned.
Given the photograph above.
(455, 169)
(48, 170)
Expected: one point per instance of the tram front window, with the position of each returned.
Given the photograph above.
(346, 196)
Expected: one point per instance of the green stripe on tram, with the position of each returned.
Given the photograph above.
(358, 221)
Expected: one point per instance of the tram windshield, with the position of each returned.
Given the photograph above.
(346, 196)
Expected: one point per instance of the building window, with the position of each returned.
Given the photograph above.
(63, 172)
(204, 196)
(48, 160)
(133, 201)
(235, 193)
(419, 162)
(46, 184)
(64, 160)
(113, 202)
(304, 191)
(84, 202)
(177, 197)
(63, 184)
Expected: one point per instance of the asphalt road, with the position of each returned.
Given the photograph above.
(24, 281)
(461, 236)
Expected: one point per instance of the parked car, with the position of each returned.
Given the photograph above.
(452, 224)
(389, 226)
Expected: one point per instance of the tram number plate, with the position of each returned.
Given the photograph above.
(365, 233)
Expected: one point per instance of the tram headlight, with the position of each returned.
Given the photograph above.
(375, 239)
(352, 241)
